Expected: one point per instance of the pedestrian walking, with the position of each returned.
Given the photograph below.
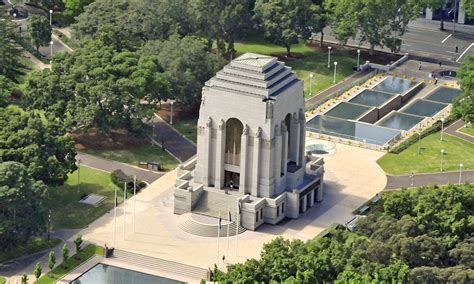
(457, 49)
(162, 144)
(440, 64)
(419, 66)
(436, 81)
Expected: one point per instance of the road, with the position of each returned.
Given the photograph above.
(424, 39)
(428, 179)
(453, 130)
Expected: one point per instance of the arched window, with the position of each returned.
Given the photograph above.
(233, 134)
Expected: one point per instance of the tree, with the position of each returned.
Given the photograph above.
(75, 7)
(469, 4)
(37, 271)
(464, 104)
(39, 30)
(98, 86)
(318, 20)
(186, 64)
(377, 22)
(11, 58)
(24, 278)
(132, 23)
(51, 260)
(22, 213)
(65, 253)
(221, 21)
(284, 22)
(41, 144)
(436, 4)
(6, 88)
(78, 243)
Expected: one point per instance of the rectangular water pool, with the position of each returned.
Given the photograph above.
(443, 95)
(424, 108)
(394, 85)
(353, 130)
(347, 110)
(401, 121)
(105, 274)
(371, 98)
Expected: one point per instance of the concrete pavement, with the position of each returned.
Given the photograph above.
(453, 130)
(110, 166)
(429, 179)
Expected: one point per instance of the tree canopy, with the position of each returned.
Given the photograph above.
(421, 233)
(98, 86)
(40, 30)
(11, 66)
(464, 104)
(377, 22)
(22, 214)
(75, 7)
(284, 22)
(42, 146)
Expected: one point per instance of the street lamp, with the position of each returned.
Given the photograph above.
(171, 118)
(460, 173)
(358, 57)
(51, 51)
(442, 128)
(329, 57)
(79, 175)
(49, 222)
(310, 84)
(51, 17)
(412, 177)
(442, 154)
(335, 67)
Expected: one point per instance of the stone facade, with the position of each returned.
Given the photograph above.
(251, 141)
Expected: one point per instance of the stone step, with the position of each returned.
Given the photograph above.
(215, 204)
(154, 263)
(191, 226)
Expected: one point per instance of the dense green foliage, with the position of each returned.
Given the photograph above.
(40, 30)
(43, 147)
(284, 22)
(75, 7)
(98, 86)
(376, 22)
(464, 104)
(22, 213)
(424, 233)
(186, 64)
(11, 66)
(119, 178)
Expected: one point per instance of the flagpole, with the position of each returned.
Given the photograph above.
(228, 229)
(115, 214)
(218, 235)
(124, 207)
(134, 200)
(237, 228)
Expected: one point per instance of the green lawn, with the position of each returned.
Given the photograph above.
(468, 130)
(36, 244)
(2, 279)
(188, 128)
(73, 262)
(425, 156)
(313, 62)
(147, 153)
(67, 212)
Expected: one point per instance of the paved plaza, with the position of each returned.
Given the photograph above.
(156, 233)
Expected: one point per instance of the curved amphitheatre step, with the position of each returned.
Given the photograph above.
(187, 223)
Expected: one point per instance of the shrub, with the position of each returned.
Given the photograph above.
(119, 178)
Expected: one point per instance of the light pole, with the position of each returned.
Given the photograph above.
(310, 84)
(171, 118)
(49, 222)
(412, 177)
(460, 173)
(442, 128)
(358, 57)
(51, 18)
(335, 67)
(51, 51)
(79, 175)
(329, 57)
(442, 154)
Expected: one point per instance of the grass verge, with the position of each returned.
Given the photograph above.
(73, 262)
(67, 212)
(468, 130)
(188, 128)
(425, 156)
(133, 156)
(3, 280)
(36, 244)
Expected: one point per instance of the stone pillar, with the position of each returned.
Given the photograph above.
(305, 203)
(277, 155)
(284, 150)
(311, 198)
(207, 149)
(319, 197)
(429, 14)
(302, 129)
(462, 13)
(220, 148)
(243, 160)
(297, 138)
(256, 162)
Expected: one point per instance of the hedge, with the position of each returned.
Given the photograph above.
(430, 130)
(119, 178)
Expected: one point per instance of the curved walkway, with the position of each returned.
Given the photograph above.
(453, 130)
(429, 179)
